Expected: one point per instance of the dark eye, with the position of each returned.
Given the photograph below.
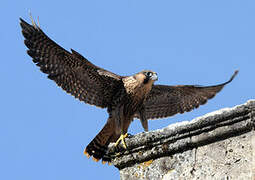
(149, 74)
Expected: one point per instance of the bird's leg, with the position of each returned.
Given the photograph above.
(120, 126)
(122, 139)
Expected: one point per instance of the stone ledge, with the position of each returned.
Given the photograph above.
(185, 136)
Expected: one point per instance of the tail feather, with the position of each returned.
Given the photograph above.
(98, 147)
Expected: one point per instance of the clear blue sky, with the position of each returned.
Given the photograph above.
(43, 131)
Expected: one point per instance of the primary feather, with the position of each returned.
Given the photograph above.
(125, 97)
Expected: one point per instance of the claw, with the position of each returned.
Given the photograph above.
(122, 139)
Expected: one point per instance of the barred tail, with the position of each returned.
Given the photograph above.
(97, 148)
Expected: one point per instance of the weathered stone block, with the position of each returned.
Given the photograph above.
(218, 145)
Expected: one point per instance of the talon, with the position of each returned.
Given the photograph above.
(130, 135)
(122, 139)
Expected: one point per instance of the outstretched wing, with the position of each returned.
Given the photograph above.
(164, 101)
(71, 71)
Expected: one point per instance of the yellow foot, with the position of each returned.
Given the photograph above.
(122, 139)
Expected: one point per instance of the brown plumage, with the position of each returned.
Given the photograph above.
(125, 97)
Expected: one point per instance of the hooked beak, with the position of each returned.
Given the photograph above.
(154, 77)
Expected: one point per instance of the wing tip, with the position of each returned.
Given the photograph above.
(21, 20)
(25, 24)
(235, 73)
(233, 76)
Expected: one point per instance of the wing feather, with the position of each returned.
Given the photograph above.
(71, 71)
(164, 101)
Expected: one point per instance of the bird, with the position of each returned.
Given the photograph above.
(124, 97)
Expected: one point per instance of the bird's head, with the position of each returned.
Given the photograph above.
(147, 76)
